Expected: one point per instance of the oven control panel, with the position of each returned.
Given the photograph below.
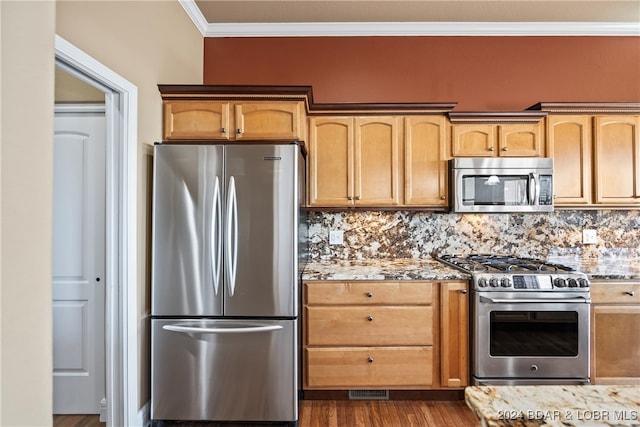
(537, 282)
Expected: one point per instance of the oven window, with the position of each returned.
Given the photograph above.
(533, 333)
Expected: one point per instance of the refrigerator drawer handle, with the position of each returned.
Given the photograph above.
(239, 330)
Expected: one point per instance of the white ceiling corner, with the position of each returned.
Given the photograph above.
(320, 29)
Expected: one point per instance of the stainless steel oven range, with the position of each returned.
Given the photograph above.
(529, 320)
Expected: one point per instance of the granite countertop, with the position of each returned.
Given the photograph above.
(605, 268)
(555, 405)
(602, 268)
(382, 269)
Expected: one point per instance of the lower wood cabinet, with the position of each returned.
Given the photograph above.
(615, 332)
(385, 335)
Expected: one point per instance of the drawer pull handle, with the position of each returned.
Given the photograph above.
(370, 294)
(370, 318)
(370, 359)
(630, 293)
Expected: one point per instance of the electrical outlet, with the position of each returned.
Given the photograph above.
(336, 237)
(589, 237)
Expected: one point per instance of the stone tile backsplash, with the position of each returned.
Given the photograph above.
(413, 234)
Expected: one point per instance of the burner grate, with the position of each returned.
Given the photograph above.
(503, 263)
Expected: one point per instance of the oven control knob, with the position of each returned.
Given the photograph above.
(573, 283)
(560, 282)
(584, 283)
(494, 282)
(482, 282)
(505, 282)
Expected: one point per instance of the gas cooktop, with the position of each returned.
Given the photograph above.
(502, 263)
(511, 273)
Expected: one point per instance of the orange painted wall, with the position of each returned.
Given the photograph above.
(480, 73)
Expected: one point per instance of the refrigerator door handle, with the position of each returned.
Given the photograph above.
(234, 330)
(216, 252)
(232, 235)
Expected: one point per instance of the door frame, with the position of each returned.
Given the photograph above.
(121, 344)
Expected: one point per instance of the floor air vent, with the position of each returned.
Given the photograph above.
(368, 394)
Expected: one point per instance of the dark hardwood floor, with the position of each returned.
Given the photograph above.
(342, 413)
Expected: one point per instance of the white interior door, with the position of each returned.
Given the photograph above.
(79, 263)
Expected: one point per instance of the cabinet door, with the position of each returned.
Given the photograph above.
(520, 140)
(617, 159)
(454, 334)
(425, 164)
(195, 120)
(376, 161)
(331, 161)
(269, 120)
(615, 344)
(569, 144)
(474, 140)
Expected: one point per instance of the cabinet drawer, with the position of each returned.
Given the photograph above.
(615, 293)
(389, 293)
(375, 325)
(364, 367)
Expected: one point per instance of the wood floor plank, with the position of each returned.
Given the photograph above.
(341, 413)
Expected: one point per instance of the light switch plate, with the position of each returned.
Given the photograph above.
(589, 237)
(336, 237)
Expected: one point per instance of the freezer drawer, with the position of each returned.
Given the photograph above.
(224, 370)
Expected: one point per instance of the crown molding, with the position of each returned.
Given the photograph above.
(364, 29)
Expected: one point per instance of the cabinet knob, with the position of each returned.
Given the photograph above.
(463, 291)
(370, 294)
(223, 130)
(349, 198)
(504, 148)
(238, 130)
(443, 197)
(630, 293)
(370, 318)
(357, 197)
(370, 359)
(491, 149)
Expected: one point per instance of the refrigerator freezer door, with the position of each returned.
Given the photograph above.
(187, 224)
(262, 227)
(224, 370)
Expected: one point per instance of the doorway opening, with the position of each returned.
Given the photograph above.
(121, 346)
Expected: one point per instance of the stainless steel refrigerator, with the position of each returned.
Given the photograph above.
(227, 232)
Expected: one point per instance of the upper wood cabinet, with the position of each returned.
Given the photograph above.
(497, 134)
(488, 140)
(353, 161)
(596, 159)
(617, 160)
(569, 144)
(425, 161)
(225, 120)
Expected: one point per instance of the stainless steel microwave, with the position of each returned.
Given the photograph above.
(494, 185)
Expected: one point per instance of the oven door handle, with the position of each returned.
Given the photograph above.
(535, 300)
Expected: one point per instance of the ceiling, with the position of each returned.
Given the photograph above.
(262, 18)
(290, 11)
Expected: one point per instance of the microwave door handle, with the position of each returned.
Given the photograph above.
(533, 189)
